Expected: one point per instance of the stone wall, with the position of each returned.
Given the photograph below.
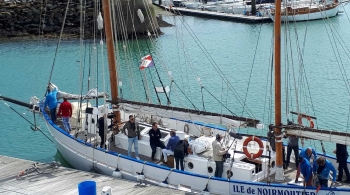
(35, 17)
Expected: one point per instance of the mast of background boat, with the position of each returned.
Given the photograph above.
(279, 176)
(111, 55)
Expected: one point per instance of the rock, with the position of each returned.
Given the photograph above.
(5, 13)
(29, 16)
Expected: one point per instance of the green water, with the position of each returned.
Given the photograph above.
(241, 51)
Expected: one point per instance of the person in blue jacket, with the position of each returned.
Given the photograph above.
(169, 150)
(307, 152)
(51, 101)
(306, 170)
(322, 167)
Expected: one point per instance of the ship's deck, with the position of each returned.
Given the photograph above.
(289, 173)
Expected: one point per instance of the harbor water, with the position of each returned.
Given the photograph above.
(241, 51)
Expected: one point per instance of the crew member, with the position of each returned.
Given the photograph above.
(218, 152)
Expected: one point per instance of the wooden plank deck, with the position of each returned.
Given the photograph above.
(64, 181)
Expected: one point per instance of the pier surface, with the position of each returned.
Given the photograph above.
(62, 181)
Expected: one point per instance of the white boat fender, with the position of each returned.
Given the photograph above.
(117, 174)
(107, 190)
(140, 177)
(165, 182)
(206, 191)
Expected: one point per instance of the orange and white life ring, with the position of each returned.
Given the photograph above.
(251, 155)
(300, 121)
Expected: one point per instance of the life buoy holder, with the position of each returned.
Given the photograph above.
(186, 128)
(245, 149)
(300, 120)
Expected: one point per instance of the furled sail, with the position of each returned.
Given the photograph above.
(322, 135)
(187, 114)
(92, 93)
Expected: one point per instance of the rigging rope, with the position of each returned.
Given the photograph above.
(155, 66)
(214, 64)
(36, 128)
(58, 43)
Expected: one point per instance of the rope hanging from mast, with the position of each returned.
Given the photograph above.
(58, 43)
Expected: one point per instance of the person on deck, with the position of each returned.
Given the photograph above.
(306, 170)
(51, 101)
(218, 152)
(181, 150)
(322, 168)
(154, 139)
(170, 147)
(307, 153)
(101, 129)
(293, 144)
(342, 158)
(65, 110)
(132, 130)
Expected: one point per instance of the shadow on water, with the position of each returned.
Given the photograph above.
(59, 158)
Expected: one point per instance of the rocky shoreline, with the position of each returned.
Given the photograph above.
(34, 19)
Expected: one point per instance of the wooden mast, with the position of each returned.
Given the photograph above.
(111, 55)
(277, 59)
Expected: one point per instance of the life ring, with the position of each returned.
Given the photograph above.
(186, 128)
(300, 121)
(251, 155)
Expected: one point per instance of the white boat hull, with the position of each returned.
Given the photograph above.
(310, 16)
(83, 156)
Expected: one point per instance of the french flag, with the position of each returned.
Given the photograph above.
(146, 62)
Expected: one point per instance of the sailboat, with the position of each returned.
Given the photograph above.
(307, 10)
(249, 170)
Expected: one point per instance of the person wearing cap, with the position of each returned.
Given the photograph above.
(322, 168)
(306, 170)
(65, 110)
(218, 152)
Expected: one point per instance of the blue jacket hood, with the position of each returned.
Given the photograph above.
(51, 99)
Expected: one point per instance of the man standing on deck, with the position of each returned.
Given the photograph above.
(293, 144)
(342, 158)
(218, 153)
(169, 150)
(65, 111)
(154, 139)
(306, 170)
(101, 129)
(51, 101)
(132, 130)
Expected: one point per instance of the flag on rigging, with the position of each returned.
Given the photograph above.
(146, 62)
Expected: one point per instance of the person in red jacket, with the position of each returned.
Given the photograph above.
(65, 111)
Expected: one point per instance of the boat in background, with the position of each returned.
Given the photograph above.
(307, 10)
